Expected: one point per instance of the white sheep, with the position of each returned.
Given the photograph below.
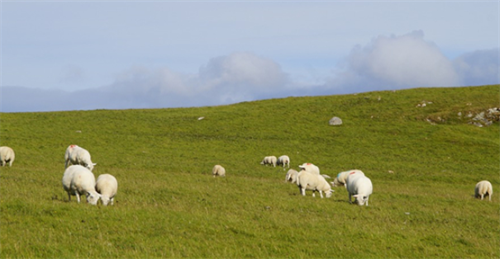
(284, 160)
(310, 168)
(218, 170)
(360, 187)
(78, 180)
(483, 188)
(7, 155)
(107, 186)
(341, 178)
(311, 181)
(291, 176)
(76, 155)
(269, 160)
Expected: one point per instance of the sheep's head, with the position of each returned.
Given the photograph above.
(328, 193)
(91, 166)
(93, 198)
(105, 200)
(360, 199)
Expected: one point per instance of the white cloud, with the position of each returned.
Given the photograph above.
(479, 67)
(396, 62)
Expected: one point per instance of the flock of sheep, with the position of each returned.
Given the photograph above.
(78, 178)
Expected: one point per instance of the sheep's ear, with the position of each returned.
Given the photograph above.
(94, 163)
(356, 196)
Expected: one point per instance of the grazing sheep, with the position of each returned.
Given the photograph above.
(107, 186)
(269, 160)
(291, 176)
(360, 187)
(341, 178)
(76, 155)
(284, 160)
(310, 168)
(78, 180)
(7, 155)
(218, 170)
(483, 188)
(311, 181)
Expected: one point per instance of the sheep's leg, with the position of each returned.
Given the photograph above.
(77, 197)
(321, 194)
(482, 196)
(367, 201)
(350, 198)
(69, 196)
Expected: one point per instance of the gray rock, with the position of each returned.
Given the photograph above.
(335, 121)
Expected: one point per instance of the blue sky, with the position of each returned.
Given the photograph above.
(81, 55)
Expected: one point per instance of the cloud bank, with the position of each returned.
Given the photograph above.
(385, 63)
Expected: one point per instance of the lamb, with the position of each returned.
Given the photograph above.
(310, 168)
(483, 188)
(76, 155)
(78, 180)
(7, 155)
(218, 170)
(107, 186)
(284, 160)
(291, 176)
(269, 160)
(311, 181)
(341, 178)
(360, 187)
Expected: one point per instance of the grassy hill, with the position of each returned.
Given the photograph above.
(423, 161)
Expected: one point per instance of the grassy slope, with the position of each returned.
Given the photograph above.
(169, 205)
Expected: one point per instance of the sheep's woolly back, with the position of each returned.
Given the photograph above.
(312, 181)
(76, 155)
(341, 178)
(310, 168)
(482, 189)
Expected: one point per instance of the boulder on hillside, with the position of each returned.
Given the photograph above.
(335, 121)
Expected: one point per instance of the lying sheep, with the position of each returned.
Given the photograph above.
(483, 188)
(78, 180)
(310, 168)
(107, 186)
(218, 170)
(341, 178)
(360, 187)
(7, 155)
(311, 181)
(291, 176)
(76, 155)
(269, 160)
(284, 160)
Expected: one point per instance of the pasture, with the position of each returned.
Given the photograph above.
(423, 161)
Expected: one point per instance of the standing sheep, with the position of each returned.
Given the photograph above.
(76, 155)
(269, 160)
(284, 160)
(107, 186)
(360, 187)
(291, 176)
(341, 178)
(78, 180)
(218, 170)
(483, 188)
(7, 155)
(313, 182)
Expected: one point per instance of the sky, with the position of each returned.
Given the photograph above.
(84, 55)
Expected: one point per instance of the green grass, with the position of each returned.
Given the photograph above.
(169, 206)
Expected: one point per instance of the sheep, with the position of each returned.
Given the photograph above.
(291, 176)
(483, 188)
(284, 160)
(78, 180)
(7, 155)
(310, 168)
(311, 181)
(269, 160)
(360, 187)
(76, 155)
(107, 186)
(341, 178)
(218, 170)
